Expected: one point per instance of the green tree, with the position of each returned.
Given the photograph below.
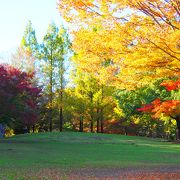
(129, 101)
(94, 102)
(54, 52)
(25, 55)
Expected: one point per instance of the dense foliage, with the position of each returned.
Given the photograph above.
(18, 98)
(169, 107)
(124, 60)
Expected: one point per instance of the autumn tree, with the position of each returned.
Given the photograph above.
(19, 98)
(92, 101)
(167, 107)
(129, 120)
(139, 37)
(125, 44)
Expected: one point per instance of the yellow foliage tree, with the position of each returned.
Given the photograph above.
(127, 43)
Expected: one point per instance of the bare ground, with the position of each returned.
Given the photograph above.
(156, 173)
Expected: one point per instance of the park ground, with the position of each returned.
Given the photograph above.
(72, 155)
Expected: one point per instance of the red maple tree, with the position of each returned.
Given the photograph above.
(167, 107)
(18, 97)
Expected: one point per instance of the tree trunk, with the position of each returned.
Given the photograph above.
(33, 128)
(61, 119)
(178, 128)
(125, 130)
(81, 123)
(97, 120)
(102, 121)
(61, 110)
(51, 92)
(28, 129)
(101, 111)
(61, 97)
(91, 114)
(92, 123)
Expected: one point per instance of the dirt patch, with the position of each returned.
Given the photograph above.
(158, 173)
(163, 172)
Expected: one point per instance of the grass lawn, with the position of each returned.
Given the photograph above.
(56, 154)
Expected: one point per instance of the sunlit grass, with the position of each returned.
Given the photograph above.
(63, 152)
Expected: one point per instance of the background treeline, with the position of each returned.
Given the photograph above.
(70, 98)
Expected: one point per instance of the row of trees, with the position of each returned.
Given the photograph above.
(45, 65)
(89, 106)
(48, 60)
(124, 75)
(129, 45)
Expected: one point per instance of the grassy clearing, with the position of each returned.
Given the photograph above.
(64, 152)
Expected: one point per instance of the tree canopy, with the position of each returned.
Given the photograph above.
(18, 98)
(140, 39)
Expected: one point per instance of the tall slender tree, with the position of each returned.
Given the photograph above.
(26, 54)
(54, 51)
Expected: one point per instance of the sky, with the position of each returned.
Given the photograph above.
(14, 15)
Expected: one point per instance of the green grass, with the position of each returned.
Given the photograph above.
(71, 150)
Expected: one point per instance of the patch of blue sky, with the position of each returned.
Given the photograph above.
(14, 15)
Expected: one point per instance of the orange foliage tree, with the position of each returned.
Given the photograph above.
(127, 42)
(169, 108)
